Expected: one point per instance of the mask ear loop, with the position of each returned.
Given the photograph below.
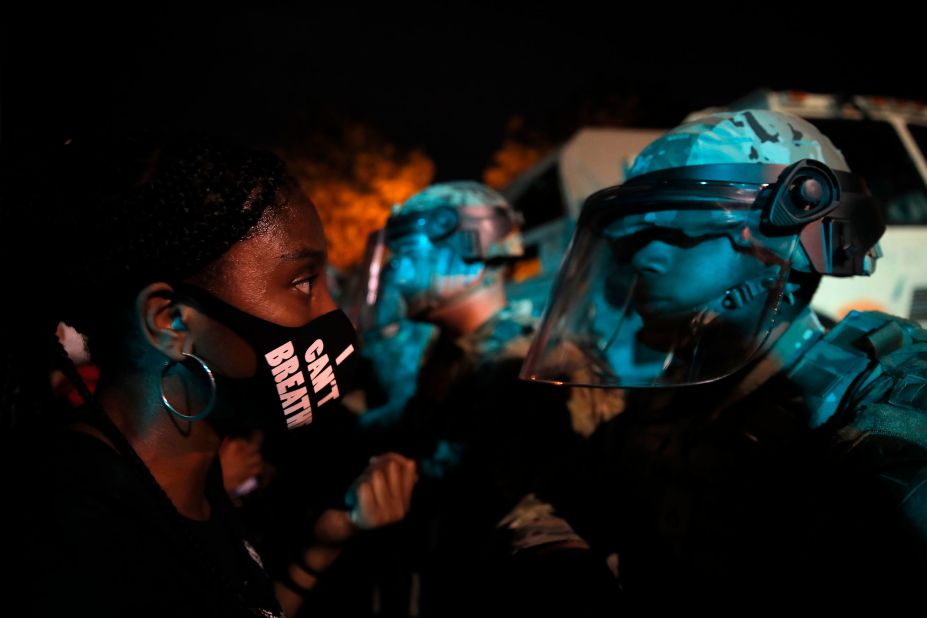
(746, 292)
(207, 410)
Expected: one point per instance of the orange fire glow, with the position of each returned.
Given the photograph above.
(521, 149)
(355, 188)
(510, 161)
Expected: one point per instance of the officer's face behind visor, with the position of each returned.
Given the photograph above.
(426, 273)
(435, 255)
(664, 284)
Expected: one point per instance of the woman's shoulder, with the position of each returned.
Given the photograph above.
(69, 478)
(81, 521)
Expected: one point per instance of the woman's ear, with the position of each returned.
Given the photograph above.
(164, 322)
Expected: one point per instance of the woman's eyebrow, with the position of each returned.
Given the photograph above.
(304, 254)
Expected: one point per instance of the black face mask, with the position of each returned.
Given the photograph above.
(300, 369)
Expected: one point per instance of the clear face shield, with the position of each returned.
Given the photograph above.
(669, 280)
(424, 259)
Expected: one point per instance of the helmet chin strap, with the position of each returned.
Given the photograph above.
(742, 294)
(757, 289)
(733, 300)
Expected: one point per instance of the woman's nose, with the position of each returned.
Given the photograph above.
(324, 301)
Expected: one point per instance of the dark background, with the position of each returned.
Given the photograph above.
(454, 87)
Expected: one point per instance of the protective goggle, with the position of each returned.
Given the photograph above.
(472, 230)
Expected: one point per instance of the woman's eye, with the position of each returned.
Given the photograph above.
(305, 285)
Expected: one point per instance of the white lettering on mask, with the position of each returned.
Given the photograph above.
(320, 372)
(292, 386)
(294, 398)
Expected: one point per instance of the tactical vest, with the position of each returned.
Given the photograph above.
(872, 366)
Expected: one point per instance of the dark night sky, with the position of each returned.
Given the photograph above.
(449, 86)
